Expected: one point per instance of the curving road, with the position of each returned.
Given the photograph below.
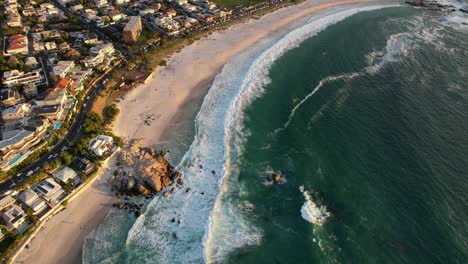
(73, 133)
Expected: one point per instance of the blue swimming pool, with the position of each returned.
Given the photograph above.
(57, 125)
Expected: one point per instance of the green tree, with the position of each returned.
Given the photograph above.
(66, 158)
(93, 123)
(110, 112)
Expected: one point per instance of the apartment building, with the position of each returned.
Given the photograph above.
(13, 77)
(132, 29)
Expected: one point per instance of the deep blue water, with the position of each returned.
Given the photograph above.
(383, 143)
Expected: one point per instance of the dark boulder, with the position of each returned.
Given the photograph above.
(276, 177)
(180, 181)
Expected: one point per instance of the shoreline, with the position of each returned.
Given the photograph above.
(189, 72)
(163, 98)
(65, 232)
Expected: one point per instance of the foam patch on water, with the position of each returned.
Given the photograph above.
(456, 17)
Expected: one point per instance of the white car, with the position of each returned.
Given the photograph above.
(29, 173)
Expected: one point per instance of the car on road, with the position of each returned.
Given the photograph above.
(9, 192)
(29, 173)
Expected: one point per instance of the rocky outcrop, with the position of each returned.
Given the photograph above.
(143, 190)
(143, 171)
(276, 178)
(432, 5)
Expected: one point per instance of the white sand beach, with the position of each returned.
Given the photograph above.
(61, 238)
(190, 72)
(188, 75)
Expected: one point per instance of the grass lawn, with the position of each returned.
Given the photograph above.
(99, 104)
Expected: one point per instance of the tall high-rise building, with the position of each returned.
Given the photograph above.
(132, 30)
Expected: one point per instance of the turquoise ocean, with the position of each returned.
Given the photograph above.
(363, 107)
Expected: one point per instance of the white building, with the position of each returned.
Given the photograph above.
(89, 14)
(31, 62)
(54, 97)
(98, 55)
(49, 46)
(121, 2)
(76, 8)
(49, 190)
(64, 2)
(101, 144)
(62, 68)
(6, 201)
(16, 112)
(65, 173)
(32, 200)
(167, 23)
(13, 77)
(13, 217)
(101, 3)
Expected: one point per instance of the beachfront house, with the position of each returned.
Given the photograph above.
(101, 144)
(65, 174)
(13, 217)
(50, 191)
(29, 198)
(84, 165)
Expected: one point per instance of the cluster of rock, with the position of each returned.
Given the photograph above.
(274, 177)
(434, 5)
(130, 206)
(144, 171)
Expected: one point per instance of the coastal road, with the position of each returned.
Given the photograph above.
(72, 134)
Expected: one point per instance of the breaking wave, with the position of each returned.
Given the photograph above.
(204, 223)
(225, 221)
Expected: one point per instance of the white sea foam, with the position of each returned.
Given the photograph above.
(172, 229)
(221, 221)
(311, 212)
(457, 17)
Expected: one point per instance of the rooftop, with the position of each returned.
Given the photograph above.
(133, 21)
